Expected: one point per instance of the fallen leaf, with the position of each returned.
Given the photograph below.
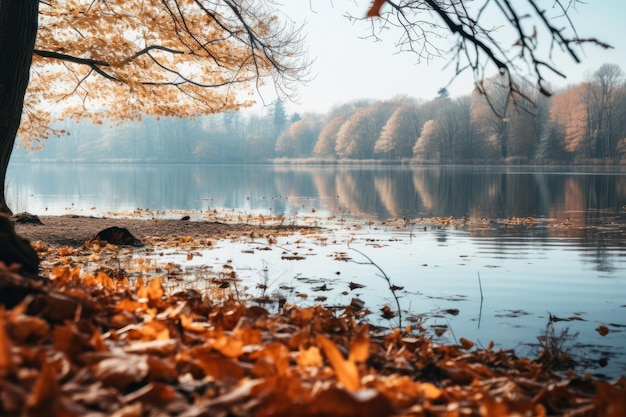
(466, 344)
(45, 394)
(602, 330)
(360, 348)
(309, 357)
(121, 371)
(345, 370)
(7, 366)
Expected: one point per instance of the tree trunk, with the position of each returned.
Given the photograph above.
(18, 30)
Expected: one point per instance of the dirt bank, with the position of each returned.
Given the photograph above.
(75, 230)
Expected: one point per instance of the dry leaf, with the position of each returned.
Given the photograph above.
(602, 330)
(360, 348)
(375, 9)
(309, 357)
(45, 393)
(346, 371)
(466, 344)
(7, 367)
(121, 371)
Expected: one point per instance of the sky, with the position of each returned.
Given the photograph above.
(347, 67)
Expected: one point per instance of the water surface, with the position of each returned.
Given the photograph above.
(544, 242)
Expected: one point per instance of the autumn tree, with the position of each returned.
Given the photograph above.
(399, 134)
(425, 148)
(568, 115)
(327, 139)
(299, 138)
(122, 59)
(359, 133)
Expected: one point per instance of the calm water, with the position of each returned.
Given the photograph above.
(570, 261)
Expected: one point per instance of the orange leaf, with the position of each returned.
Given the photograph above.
(360, 349)
(6, 359)
(272, 360)
(155, 289)
(46, 390)
(375, 9)
(230, 347)
(466, 344)
(309, 357)
(430, 391)
(346, 371)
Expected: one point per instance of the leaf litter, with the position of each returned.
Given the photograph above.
(117, 340)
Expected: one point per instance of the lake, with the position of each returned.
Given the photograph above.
(537, 242)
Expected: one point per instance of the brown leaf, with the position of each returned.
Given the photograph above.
(25, 328)
(375, 9)
(272, 360)
(214, 364)
(602, 330)
(44, 397)
(159, 395)
(121, 371)
(360, 348)
(7, 366)
(466, 344)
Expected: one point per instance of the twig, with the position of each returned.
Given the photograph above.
(392, 287)
(480, 312)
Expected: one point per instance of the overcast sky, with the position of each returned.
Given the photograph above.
(348, 67)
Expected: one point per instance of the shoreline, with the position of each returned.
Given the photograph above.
(74, 230)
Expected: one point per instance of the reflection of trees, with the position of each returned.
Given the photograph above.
(351, 194)
(588, 208)
(423, 192)
(324, 183)
(388, 195)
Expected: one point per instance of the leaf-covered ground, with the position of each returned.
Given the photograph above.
(93, 343)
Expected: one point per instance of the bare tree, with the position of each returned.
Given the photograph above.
(522, 39)
(607, 88)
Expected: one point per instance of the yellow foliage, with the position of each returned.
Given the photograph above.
(119, 60)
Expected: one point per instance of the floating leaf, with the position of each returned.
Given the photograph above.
(602, 330)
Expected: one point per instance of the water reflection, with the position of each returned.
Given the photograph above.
(592, 205)
(383, 192)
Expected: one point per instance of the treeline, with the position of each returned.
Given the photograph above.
(582, 124)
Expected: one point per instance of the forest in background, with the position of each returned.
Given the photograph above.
(580, 124)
